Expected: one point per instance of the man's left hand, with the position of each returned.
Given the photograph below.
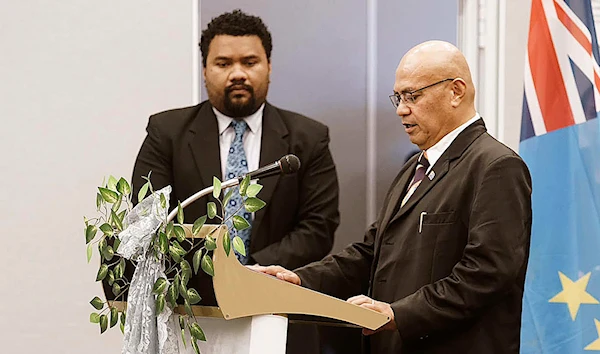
(381, 307)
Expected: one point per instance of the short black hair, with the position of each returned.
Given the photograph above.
(235, 23)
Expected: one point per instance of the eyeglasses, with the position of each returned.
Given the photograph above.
(408, 97)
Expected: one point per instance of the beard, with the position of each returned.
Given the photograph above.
(239, 109)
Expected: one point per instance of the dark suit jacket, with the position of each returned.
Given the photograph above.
(452, 260)
(297, 225)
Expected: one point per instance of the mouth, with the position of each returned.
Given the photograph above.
(408, 126)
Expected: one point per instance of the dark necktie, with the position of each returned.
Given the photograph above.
(422, 167)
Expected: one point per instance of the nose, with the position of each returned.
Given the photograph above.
(402, 109)
(238, 73)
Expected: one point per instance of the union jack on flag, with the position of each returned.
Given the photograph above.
(560, 142)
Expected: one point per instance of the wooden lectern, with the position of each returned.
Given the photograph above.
(250, 316)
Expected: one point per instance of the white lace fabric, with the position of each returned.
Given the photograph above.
(145, 333)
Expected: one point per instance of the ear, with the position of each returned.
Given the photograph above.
(459, 89)
(204, 73)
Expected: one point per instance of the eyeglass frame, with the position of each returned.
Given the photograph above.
(402, 96)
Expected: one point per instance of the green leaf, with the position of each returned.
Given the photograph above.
(253, 190)
(180, 286)
(228, 196)
(117, 205)
(116, 289)
(183, 338)
(193, 296)
(122, 327)
(253, 204)
(172, 295)
(174, 254)
(169, 229)
(116, 244)
(163, 243)
(217, 188)
(103, 323)
(240, 223)
(238, 246)
(160, 285)
(123, 317)
(120, 269)
(99, 201)
(179, 233)
(89, 252)
(143, 191)
(244, 185)
(108, 195)
(226, 243)
(188, 308)
(195, 346)
(97, 303)
(210, 243)
(179, 213)
(181, 322)
(94, 317)
(198, 225)
(197, 332)
(114, 316)
(212, 209)
(102, 272)
(186, 268)
(207, 265)
(123, 187)
(109, 253)
(196, 260)
(177, 248)
(112, 183)
(102, 246)
(106, 229)
(90, 233)
(117, 220)
(163, 201)
(160, 304)
(111, 277)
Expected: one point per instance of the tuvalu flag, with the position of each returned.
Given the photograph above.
(560, 142)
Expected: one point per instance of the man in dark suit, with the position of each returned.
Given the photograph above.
(447, 255)
(186, 147)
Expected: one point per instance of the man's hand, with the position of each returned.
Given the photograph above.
(381, 307)
(277, 271)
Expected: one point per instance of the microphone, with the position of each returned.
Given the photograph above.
(288, 164)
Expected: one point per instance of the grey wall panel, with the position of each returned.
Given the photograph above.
(319, 69)
(402, 25)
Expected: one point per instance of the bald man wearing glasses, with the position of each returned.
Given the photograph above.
(446, 258)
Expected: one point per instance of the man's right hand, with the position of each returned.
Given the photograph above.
(277, 271)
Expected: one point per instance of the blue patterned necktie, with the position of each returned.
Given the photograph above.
(237, 165)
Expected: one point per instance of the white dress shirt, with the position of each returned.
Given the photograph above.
(435, 152)
(252, 138)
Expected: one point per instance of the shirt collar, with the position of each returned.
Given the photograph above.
(254, 120)
(435, 152)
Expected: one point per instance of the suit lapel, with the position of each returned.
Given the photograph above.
(273, 147)
(398, 192)
(205, 144)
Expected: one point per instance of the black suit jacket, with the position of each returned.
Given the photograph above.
(297, 225)
(452, 260)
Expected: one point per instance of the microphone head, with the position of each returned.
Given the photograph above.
(289, 164)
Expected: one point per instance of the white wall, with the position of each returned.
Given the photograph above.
(516, 32)
(78, 80)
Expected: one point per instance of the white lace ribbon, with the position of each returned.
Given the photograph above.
(145, 333)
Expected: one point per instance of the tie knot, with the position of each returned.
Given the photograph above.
(423, 161)
(239, 126)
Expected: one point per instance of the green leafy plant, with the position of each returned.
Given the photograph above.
(169, 245)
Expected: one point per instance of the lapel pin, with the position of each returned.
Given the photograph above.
(431, 175)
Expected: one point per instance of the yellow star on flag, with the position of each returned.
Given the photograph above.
(574, 294)
(595, 345)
